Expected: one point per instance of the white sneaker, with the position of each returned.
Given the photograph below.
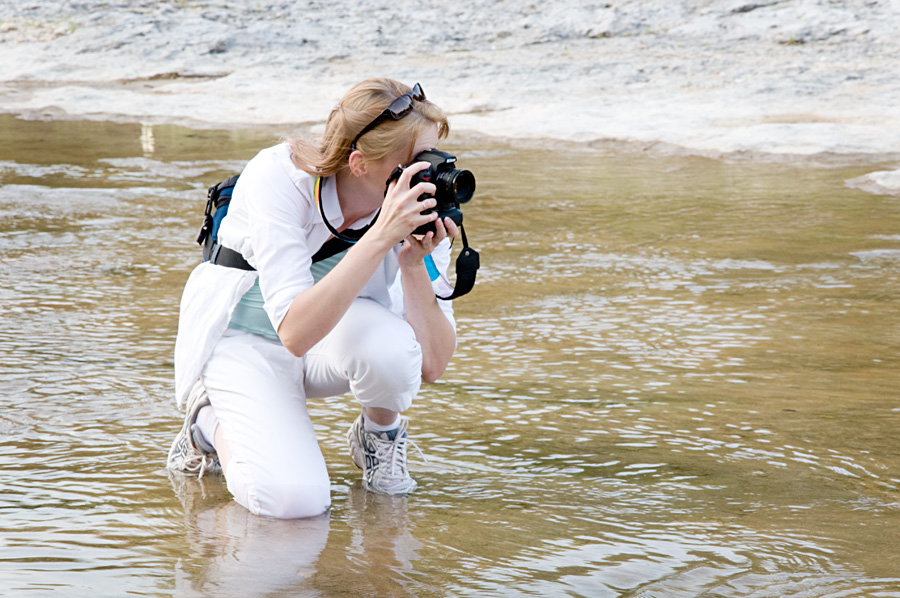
(191, 453)
(382, 457)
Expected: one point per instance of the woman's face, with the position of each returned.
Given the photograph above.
(425, 141)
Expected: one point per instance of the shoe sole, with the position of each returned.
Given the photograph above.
(353, 442)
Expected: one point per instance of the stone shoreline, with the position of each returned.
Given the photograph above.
(764, 78)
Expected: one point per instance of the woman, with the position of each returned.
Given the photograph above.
(254, 344)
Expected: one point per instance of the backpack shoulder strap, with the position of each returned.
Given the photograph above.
(218, 196)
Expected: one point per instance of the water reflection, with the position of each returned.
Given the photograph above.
(233, 553)
(676, 377)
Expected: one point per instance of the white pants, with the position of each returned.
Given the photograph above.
(259, 390)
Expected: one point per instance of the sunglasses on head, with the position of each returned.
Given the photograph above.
(395, 111)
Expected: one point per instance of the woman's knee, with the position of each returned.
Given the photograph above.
(281, 494)
(287, 500)
(395, 363)
(387, 375)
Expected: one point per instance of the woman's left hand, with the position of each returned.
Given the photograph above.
(416, 247)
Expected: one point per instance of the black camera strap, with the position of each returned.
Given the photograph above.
(349, 236)
(467, 264)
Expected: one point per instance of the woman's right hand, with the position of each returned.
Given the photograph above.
(401, 212)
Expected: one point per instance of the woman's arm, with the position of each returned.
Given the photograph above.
(317, 310)
(434, 332)
(314, 312)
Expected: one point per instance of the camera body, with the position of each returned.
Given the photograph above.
(454, 186)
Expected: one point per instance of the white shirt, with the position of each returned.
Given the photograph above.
(273, 221)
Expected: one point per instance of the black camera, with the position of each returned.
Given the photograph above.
(454, 186)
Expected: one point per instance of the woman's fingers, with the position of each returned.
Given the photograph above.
(452, 229)
(420, 188)
(410, 171)
(404, 199)
(419, 246)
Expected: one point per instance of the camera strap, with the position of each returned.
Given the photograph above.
(467, 264)
(349, 236)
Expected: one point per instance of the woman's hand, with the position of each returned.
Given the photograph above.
(401, 212)
(416, 247)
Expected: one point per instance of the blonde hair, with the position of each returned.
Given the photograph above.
(360, 106)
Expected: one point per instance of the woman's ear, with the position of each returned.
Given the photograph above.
(358, 163)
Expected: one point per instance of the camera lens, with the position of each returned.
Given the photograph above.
(459, 183)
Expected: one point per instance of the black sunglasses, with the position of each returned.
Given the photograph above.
(395, 111)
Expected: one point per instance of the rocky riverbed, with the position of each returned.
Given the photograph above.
(760, 78)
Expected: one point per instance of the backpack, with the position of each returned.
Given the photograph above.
(218, 198)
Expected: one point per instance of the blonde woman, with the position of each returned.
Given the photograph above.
(262, 328)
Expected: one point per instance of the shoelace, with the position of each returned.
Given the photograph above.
(196, 400)
(204, 461)
(393, 452)
(196, 459)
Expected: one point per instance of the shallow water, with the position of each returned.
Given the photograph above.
(676, 377)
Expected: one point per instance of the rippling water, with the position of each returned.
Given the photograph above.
(676, 377)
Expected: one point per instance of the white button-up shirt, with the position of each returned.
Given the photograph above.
(274, 222)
